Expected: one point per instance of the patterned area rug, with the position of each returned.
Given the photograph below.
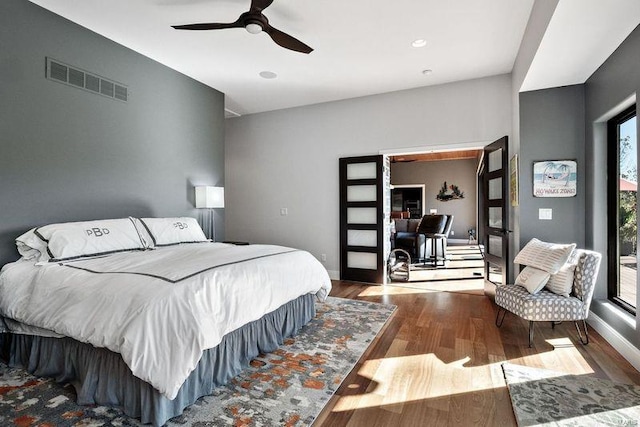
(545, 398)
(288, 387)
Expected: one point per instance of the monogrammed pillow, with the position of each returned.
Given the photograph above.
(71, 240)
(172, 231)
(549, 257)
(532, 279)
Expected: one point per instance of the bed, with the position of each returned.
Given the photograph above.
(146, 314)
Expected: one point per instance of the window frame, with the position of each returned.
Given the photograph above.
(613, 206)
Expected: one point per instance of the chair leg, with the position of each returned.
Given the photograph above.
(499, 319)
(585, 340)
(434, 251)
(530, 333)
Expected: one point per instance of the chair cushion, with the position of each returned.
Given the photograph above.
(549, 257)
(543, 306)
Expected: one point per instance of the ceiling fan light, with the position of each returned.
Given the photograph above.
(253, 28)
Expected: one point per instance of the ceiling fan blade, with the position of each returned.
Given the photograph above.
(287, 41)
(209, 26)
(260, 5)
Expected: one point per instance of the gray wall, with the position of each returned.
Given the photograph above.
(432, 174)
(552, 128)
(607, 91)
(67, 154)
(570, 122)
(541, 14)
(289, 158)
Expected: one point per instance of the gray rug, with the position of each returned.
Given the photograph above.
(288, 387)
(545, 398)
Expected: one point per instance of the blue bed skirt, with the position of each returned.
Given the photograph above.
(101, 377)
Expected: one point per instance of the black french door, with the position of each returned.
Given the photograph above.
(495, 213)
(365, 202)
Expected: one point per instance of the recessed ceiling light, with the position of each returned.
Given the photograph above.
(427, 72)
(268, 74)
(419, 43)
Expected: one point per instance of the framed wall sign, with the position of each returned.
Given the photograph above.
(555, 178)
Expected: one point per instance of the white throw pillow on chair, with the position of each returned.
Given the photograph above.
(549, 257)
(561, 283)
(532, 279)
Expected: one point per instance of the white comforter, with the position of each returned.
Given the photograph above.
(160, 309)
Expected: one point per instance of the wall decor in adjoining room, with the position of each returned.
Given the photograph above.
(449, 192)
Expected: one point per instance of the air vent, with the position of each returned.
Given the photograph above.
(121, 93)
(106, 88)
(92, 83)
(76, 77)
(58, 72)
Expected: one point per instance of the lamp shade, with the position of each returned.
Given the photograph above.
(209, 197)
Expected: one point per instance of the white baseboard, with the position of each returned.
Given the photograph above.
(617, 341)
(334, 274)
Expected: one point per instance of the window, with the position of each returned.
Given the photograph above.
(622, 172)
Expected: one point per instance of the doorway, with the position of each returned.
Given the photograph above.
(408, 198)
(443, 182)
(446, 182)
(449, 193)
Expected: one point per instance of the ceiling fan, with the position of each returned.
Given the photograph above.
(254, 22)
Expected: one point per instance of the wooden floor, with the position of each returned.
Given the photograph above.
(437, 363)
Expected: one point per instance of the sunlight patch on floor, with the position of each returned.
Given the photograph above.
(472, 285)
(408, 288)
(381, 290)
(560, 342)
(397, 380)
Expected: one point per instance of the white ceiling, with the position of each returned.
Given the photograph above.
(361, 47)
(582, 34)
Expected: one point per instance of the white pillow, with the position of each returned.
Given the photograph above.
(549, 257)
(172, 231)
(532, 279)
(72, 240)
(561, 283)
(32, 247)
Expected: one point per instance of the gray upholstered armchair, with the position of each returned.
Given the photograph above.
(551, 307)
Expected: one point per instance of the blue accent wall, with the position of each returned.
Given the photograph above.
(67, 154)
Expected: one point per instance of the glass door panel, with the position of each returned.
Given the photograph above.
(495, 160)
(495, 189)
